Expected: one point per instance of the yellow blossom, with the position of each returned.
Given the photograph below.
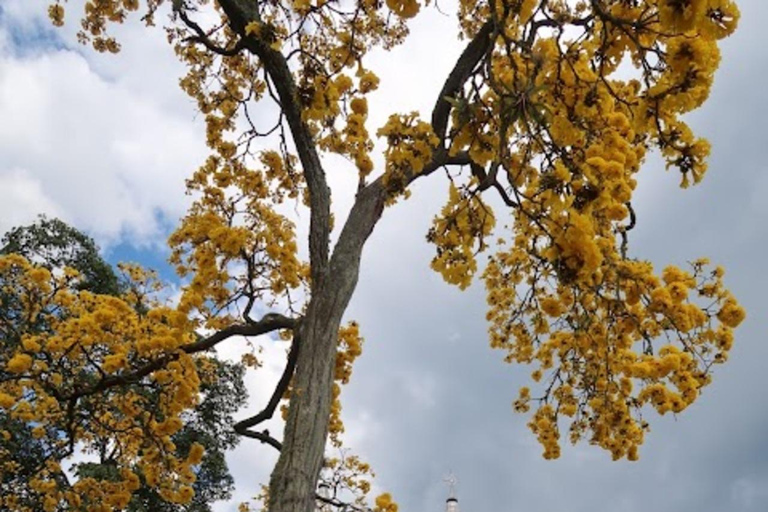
(19, 363)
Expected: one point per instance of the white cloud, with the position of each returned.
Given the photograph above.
(21, 199)
(106, 155)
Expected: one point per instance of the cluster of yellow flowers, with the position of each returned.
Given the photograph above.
(410, 144)
(91, 494)
(71, 344)
(384, 503)
(404, 8)
(97, 15)
(353, 140)
(232, 241)
(569, 138)
(713, 18)
(464, 221)
(515, 14)
(600, 350)
(349, 348)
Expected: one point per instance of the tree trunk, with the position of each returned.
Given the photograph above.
(293, 481)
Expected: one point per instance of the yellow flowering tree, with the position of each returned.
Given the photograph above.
(544, 123)
(25, 442)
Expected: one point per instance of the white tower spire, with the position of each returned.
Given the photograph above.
(452, 503)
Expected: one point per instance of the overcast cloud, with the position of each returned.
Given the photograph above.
(105, 143)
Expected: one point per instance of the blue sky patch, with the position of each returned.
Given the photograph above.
(152, 255)
(32, 37)
(148, 256)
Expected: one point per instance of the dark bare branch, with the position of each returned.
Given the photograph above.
(277, 394)
(465, 65)
(202, 38)
(341, 505)
(263, 436)
(270, 322)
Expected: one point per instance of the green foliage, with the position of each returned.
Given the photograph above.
(53, 244)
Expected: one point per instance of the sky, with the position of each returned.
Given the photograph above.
(105, 143)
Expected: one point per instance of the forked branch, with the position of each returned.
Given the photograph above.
(244, 427)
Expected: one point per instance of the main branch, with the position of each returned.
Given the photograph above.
(240, 14)
(462, 70)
